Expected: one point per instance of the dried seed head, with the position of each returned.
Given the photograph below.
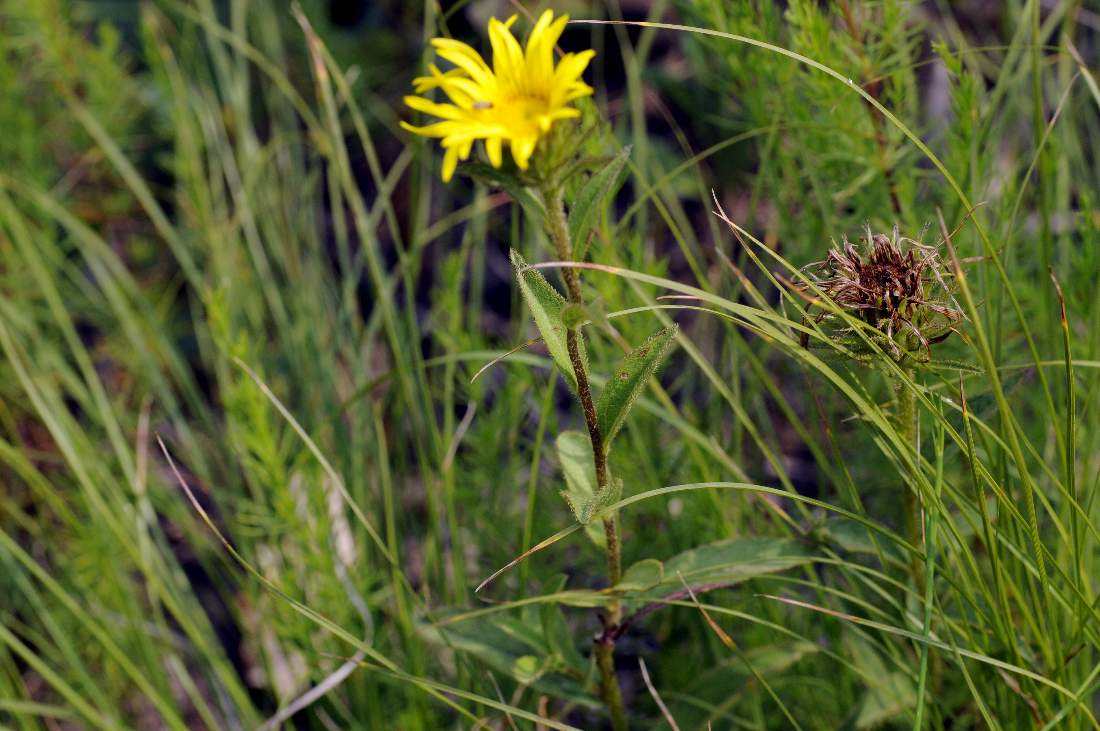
(898, 286)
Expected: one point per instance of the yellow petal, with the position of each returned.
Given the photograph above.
(576, 91)
(461, 133)
(439, 129)
(546, 120)
(466, 58)
(522, 148)
(571, 66)
(461, 90)
(516, 100)
(540, 27)
(443, 111)
(507, 55)
(437, 78)
(545, 34)
(493, 147)
(450, 162)
(539, 56)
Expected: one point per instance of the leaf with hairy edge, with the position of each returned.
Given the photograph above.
(546, 305)
(609, 495)
(586, 204)
(623, 388)
(575, 455)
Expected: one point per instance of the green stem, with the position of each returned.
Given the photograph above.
(908, 421)
(909, 426)
(558, 229)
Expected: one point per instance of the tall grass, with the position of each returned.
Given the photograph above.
(250, 477)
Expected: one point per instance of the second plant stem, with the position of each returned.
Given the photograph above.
(909, 428)
(558, 228)
(908, 420)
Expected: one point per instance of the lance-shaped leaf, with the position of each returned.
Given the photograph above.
(725, 563)
(587, 203)
(623, 388)
(546, 305)
(575, 455)
(522, 653)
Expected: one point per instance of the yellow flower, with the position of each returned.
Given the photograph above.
(516, 101)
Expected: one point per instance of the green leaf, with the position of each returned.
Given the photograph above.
(527, 669)
(506, 181)
(726, 563)
(589, 199)
(523, 632)
(891, 697)
(710, 682)
(623, 388)
(559, 638)
(584, 498)
(546, 305)
(575, 455)
(574, 315)
(948, 364)
(642, 576)
(584, 598)
(609, 495)
(495, 642)
(854, 537)
(889, 694)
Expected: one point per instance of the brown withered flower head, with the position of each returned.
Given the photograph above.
(898, 286)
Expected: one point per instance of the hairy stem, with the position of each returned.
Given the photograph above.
(609, 683)
(558, 228)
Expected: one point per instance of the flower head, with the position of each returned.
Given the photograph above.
(517, 100)
(899, 288)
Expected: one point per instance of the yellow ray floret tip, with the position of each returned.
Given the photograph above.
(514, 100)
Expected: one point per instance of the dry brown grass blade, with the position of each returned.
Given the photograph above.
(656, 696)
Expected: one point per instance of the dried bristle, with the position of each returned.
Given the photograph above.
(888, 287)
